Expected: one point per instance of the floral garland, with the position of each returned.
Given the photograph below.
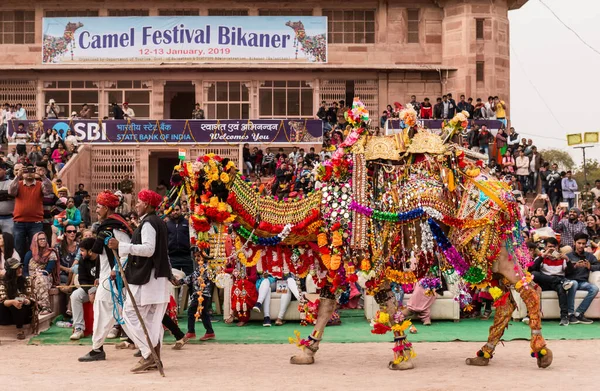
(452, 255)
(272, 241)
(242, 257)
(400, 217)
(331, 253)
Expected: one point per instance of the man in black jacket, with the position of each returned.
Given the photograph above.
(179, 242)
(148, 273)
(438, 109)
(117, 111)
(582, 263)
(86, 293)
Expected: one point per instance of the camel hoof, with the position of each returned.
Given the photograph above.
(403, 366)
(545, 361)
(478, 361)
(302, 360)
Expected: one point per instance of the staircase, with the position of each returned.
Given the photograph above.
(78, 170)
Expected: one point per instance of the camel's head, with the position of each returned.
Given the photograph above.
(73, 26)
(295, 25)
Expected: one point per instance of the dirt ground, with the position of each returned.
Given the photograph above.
(440, 366)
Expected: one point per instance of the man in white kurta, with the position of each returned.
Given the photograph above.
(148, 271)
(113, 225)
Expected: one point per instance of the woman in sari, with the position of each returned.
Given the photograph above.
(40, 264)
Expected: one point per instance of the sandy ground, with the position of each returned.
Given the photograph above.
(440, 366)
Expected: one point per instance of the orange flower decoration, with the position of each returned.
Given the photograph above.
(336, 239)
(326, 258)
(336, 260)
(365, 264)
(322, 239)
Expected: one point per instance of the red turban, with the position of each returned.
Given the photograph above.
(108, 199)
(150, 197)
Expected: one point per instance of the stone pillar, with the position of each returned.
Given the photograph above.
(157, 99)
(40, 104)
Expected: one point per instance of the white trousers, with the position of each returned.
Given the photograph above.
(264, 296)
(286, 298)
(78, 297)
(152, 314)
(103, 322)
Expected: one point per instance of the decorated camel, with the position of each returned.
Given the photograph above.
(55, 47)
(389, 210)
(315, 47)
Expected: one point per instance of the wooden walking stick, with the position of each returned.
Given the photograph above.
(137, 311)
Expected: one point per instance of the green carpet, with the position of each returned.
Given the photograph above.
(354, 328)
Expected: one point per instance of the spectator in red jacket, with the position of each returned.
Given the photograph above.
(426, 109)
(485, 139)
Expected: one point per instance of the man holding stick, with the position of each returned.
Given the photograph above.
(148, 272)
(111, 225)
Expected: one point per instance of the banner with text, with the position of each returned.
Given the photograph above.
(180, 131)
(184, 38)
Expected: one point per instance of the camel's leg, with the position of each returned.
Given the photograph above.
(403, 352)
(530, 294)
(326, 308)
(501, 320)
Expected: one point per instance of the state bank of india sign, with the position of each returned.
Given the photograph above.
(162, 39)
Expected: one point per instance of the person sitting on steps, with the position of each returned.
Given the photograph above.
(17, 305)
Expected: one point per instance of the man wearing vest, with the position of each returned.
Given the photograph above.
(148, 272)
(29, 189)
(111, 225)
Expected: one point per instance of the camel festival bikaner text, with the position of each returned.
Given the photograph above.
(233, 36)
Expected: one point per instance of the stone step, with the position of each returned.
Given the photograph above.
(9, 333)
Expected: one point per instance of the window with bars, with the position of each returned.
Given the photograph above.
(285, 99)
(413, 26)
(17, 27)
(285, 12)
(179, 12)
(227, 100)
(70, 13)
(134, 92)
(479, 28)
(479, 71)
(227, 12)
(350, 26)
(71, 95)
(128, 12)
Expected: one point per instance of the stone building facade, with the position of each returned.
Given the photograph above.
(381, 50)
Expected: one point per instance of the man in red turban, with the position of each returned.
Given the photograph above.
(108, 199)
(111, 225)
(148, 272)
(150, 198)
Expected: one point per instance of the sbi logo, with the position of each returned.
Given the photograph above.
(62, 129)
(84, 131)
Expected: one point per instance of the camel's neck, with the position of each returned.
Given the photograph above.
(69, 35)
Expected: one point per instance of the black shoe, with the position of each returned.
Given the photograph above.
(582, 319)
(573, 319)
(93, 356)
(564, 321)
(267, 322)
(257, 308)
